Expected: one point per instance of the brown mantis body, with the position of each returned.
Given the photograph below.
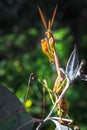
(48, 47)
(48, 42)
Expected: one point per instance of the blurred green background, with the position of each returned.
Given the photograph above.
(21, 30)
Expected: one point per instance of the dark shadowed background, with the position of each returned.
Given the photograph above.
(21, 30)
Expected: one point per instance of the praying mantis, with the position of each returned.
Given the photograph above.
(48, 47)
(48, 42)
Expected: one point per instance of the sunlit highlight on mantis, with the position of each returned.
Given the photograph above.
(48, 43)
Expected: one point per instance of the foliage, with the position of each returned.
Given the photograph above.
(12, 113)
(15, 69)
(20, 52)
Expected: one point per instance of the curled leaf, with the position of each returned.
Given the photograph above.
(72, 65)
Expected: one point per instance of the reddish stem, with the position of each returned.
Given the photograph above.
(57, 64)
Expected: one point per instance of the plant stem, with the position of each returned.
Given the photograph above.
(57, 64)
(59, 99)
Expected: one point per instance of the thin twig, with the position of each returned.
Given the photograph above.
(63, 119)
(59, 99)
(29, 81)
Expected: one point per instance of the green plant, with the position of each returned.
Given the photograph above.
(17, 67)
